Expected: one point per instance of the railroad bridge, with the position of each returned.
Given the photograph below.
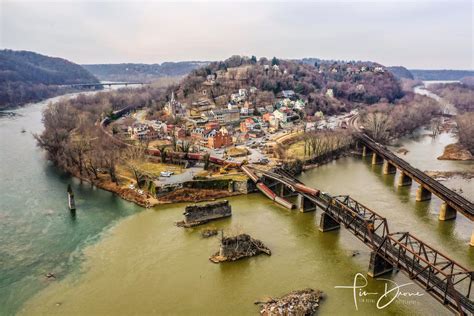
(452, 201)
(446, 280)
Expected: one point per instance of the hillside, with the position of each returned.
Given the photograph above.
(142, 72)
(28, 76)
(441, 74)
(326, 86)
(401, 72)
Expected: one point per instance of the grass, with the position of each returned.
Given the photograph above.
(296, 150)
(150, 168)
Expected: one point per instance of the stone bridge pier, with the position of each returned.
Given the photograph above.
(422, 194)
(388, 168)
(447, 212)
(404, 179)
(378, 265)
(304, 204)
(365, 151)
(376, 159)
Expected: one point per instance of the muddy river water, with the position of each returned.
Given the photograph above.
(115, 258)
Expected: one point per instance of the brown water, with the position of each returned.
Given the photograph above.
(146, 265)
(114, 259)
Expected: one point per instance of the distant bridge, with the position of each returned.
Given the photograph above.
(446, 280)
(453, 202)
(101, 84)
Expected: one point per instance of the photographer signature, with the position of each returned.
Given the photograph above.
(390, 293)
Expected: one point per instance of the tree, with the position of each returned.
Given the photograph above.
(206, 160)
(466, 130)
(253, 59)
(275, 61)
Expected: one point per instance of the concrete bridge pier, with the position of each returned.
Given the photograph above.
(388, 168)
(378, 265)
(404, 179)
(376, 159)
(327, 223)
(282, 190)
(304, 205)
(472, 239)
(422, 194)
(447, 212)
(365, 151)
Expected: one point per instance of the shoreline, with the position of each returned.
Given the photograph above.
(145, 200)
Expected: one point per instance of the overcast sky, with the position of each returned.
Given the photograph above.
(417, 34)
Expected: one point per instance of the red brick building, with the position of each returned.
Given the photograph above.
(219, 140)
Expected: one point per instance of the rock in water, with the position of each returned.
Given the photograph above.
(199, 214)
(206, 233)
(237, 247)
(296, 303)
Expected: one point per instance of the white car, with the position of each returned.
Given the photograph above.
(166, 173)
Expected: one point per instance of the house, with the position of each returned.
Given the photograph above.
(299, 105)
(218, 139)
(253, 90)
(232, 106)
(330, 93)
(142, 132)
(179, 133)
(225, 115)
(212, 125)
(280, 115)
(269, 108)
(288, 94)
(198, 133)
(248, 124)
(243, 93)
(379, 70)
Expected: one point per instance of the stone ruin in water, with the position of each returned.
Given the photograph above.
(199, 214)
(238, 247)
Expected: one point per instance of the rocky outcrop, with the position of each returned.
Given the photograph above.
(456, 152)
(200, 214)
(238, 247)
(206, 233)
(303, 302)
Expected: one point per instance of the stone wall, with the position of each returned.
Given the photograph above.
(206, 212)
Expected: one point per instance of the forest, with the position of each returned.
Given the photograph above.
(142, 72)
(28, 77)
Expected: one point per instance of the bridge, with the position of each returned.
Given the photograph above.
(101, 84)
(453, 202)
(446, 280)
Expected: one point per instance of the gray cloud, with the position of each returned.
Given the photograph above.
(417, 34)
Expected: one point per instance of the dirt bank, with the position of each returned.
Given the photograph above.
(456, 152)
(440, 175)
(194, 195)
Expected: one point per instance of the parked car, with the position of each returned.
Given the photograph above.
(166, 173)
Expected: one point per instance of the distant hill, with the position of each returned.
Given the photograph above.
(401, 72)
(142, 72)
(27, 77)
(441, 74)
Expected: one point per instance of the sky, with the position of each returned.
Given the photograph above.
(418, 34)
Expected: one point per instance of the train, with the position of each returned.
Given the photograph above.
(197, 157)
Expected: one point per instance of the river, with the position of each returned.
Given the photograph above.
(115, 258)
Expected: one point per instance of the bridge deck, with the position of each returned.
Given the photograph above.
(458, 202)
